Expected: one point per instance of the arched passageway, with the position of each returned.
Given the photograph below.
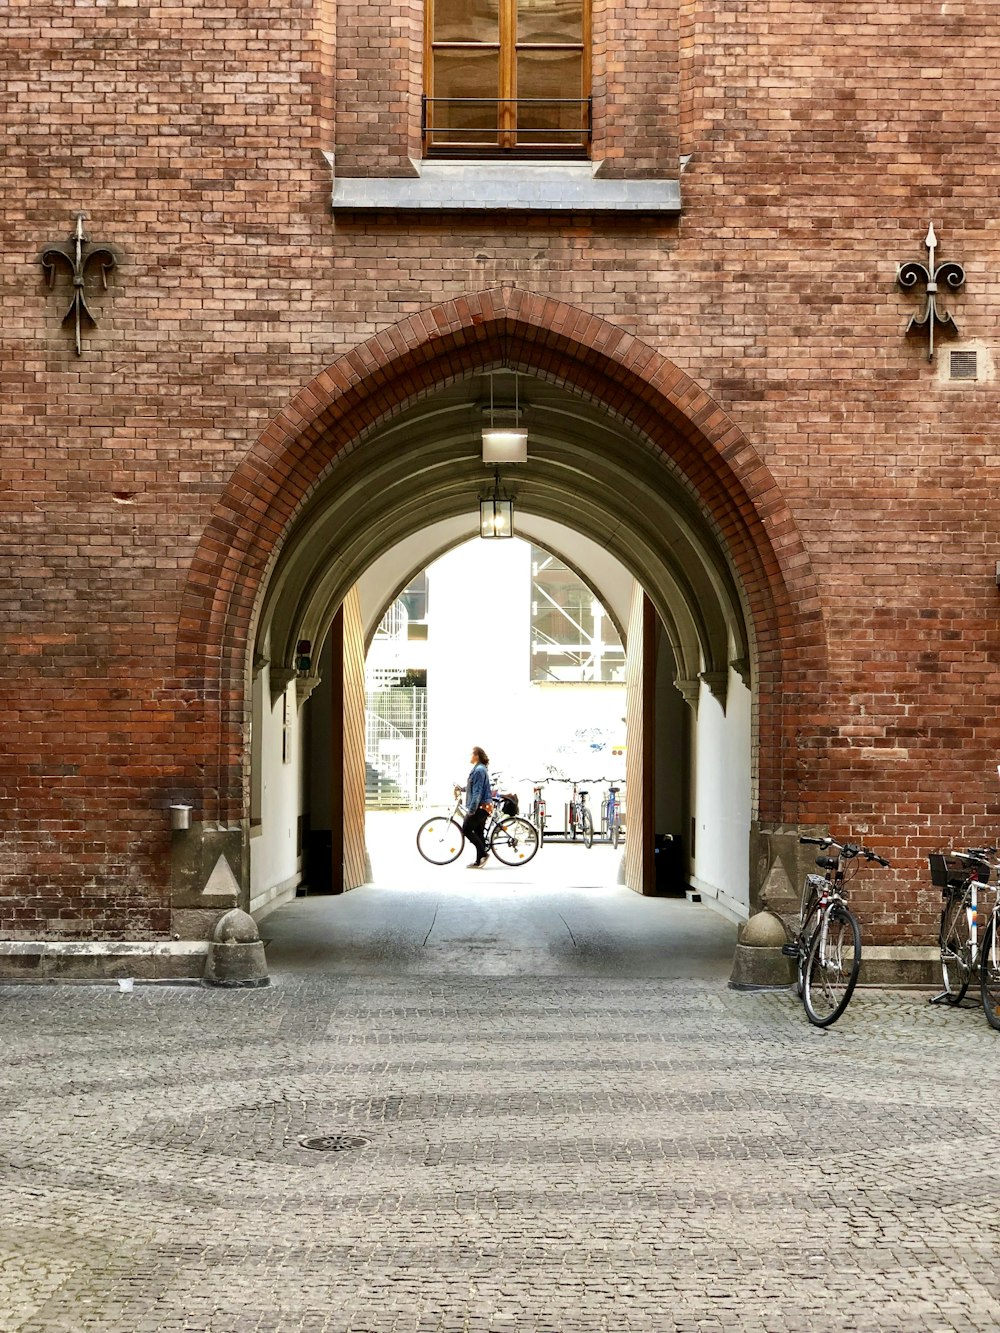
(381, 453)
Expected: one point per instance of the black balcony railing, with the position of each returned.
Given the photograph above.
(512, 131)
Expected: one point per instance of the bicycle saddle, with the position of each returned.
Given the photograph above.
(826, 862)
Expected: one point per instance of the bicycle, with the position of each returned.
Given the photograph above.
(579, 819)
(511, 838)
(611, 816)
(959, 875)
(827, 946)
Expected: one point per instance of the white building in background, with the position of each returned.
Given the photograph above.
(518, 656)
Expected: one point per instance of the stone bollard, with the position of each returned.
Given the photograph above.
(236, 952)
(759, 963)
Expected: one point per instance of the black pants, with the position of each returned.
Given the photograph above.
(473, 826)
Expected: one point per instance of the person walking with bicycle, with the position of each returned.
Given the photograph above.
(478, 804)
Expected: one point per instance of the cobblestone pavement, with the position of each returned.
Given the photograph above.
(569, 1124)
(540, 1154)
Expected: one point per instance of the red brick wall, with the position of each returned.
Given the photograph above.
(380, 55)
(822, 141)
(635, 86)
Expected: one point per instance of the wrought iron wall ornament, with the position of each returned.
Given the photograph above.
(78, 254)
(908, 275)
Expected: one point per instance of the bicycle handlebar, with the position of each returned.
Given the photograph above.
(848, 850)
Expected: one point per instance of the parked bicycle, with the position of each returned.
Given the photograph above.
(511, 838)
(827, 946)
(579, 820)
(959, 876)
(611, 817)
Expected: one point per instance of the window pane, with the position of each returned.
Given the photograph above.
(550, 20)
(554, 75)
(466, 20)
(572, 636)
(465, 74)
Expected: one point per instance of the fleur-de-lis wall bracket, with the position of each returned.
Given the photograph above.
(78, 254)
(950, 273)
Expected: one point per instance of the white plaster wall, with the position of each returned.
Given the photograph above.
(720, 782)
(274, 859)
(477, 658)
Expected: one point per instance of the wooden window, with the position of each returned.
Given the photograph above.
(507, 77)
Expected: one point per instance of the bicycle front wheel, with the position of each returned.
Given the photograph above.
(804, 939)
(956, 949)
(514, 841)
(989, 973)
(440, 840)
(588, 829)
(808, 923)
(832, 967)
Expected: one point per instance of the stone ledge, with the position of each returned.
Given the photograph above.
(899, 965)
(102, 960)
(494, 187)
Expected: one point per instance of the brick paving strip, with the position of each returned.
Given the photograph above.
(542, 1154)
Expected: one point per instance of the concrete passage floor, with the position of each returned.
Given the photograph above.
(562, 914)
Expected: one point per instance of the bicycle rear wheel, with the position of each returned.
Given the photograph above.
(616, 830)
(440, 840)
(956, 949)
(588, 829)
(514, 841)
(989, 973)
(832, 967)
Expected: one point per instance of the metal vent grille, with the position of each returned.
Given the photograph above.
(964, 366)
(333, 1142)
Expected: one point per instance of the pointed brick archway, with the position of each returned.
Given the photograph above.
(594, 359)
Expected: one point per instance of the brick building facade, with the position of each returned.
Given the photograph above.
(725, 286)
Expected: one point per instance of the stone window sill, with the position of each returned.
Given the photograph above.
(490, 186)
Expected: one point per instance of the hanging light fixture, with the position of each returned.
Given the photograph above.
(505, 444)
(496, 512)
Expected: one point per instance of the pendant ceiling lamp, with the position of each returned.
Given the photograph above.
(507, 443)
(496, 513)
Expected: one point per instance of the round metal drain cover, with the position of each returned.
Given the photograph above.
(333, 1142)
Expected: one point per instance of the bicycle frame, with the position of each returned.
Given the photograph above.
(575, 814)
(609, 810)
(829, 898)
(538, 811)
(458, 814)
